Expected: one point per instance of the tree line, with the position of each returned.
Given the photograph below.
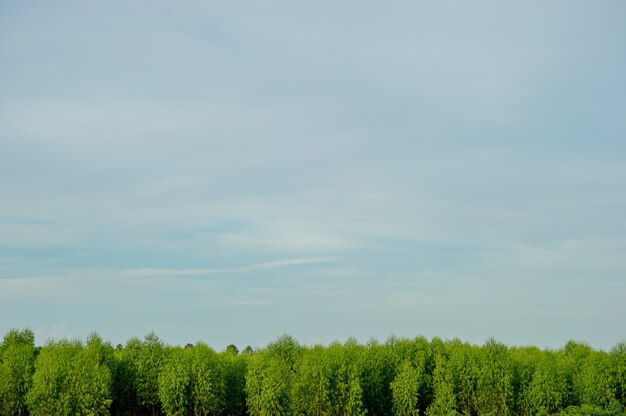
(403, 377)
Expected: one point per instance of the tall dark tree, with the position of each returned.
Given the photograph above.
(234, 370)
(232, 349)
(378, 370)
(126, 377)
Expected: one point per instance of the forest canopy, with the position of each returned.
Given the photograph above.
(400, 376)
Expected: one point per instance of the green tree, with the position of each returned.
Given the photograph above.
(270, 377)
(126, 376)
(546, 390)
(122, 385)
(234, 370)
(618, 374)
(493, 389)
(310, 389)
(17, 365)
(266, 388)
(463, 368)
(176, 384)
(523, 363)
(595, 382)
(69, 380)
(208, 380)
(445, 402)
(350, 394)
(418, 351)
(405, 389)
(148, 362)
(345, 392)
(377, 373)
(572, 358)
(232, 349)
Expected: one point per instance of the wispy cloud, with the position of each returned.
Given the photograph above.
(271, 265)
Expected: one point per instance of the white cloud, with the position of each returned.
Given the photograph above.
(271, 265)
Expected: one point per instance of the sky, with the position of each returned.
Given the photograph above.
(232, 171)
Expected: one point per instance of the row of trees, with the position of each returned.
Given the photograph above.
(399, 377)
(145, 377)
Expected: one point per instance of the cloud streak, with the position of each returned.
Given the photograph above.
(270, 265)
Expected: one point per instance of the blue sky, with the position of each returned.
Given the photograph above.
(230, 171)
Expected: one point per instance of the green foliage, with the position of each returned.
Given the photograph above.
(346, 393)
(148, 362)
(284, 350)
(573, 357)
(234, 370)
(405, 390)
(270, 376)
(401, 377)
(69, 380)
(17, 364)
(588, 410)
(494, 381)
(618, 373)
(175, 384)
(192, 381)
(311, 389)
(546, 390)
(445, 402)
(464, 370)
(207, 376)
(126, 377)
(595, 382)
(349, 398)
(378, 371)
(122, 387)
(267, 387)
(523, 363)
(232, 349)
